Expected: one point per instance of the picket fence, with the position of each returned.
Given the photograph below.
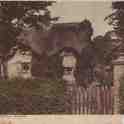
(96, 99)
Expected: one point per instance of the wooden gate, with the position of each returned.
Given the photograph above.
(97, 99)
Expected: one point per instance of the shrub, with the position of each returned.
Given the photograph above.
(32, 96)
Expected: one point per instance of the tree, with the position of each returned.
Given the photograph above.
(96, 58)
(116, 19)
(85, 28)
(105, 48)
(85, 63)
(16, 15)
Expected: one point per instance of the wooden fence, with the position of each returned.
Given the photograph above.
(97, 99)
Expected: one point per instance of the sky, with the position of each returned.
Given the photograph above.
(78, 11)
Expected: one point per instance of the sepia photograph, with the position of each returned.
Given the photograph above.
(61, 57)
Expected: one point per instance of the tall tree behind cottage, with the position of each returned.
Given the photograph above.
(116, 19)
(14, 16)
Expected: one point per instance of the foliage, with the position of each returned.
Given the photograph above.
(26, 12)
(98, 55)
(15, 15)
(85, 65)
(86, 26)
(103, 52)
(32, 96)
(116, 19)
(55, 69)
(104, 48)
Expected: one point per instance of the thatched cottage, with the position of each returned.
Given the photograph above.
(60, 40)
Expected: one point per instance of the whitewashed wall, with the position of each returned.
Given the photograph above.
(14, 65)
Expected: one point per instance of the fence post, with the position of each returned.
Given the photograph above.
(118, 72)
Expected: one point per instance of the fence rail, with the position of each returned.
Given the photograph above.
(93, 100)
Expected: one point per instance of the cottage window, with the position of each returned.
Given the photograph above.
(25, 67)
(67, 70)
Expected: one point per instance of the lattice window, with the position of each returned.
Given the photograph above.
(25, 67)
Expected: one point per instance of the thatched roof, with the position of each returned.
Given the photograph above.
(59, 36)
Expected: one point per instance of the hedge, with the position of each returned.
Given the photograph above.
(32, 96)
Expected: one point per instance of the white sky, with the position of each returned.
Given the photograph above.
(78, 11)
